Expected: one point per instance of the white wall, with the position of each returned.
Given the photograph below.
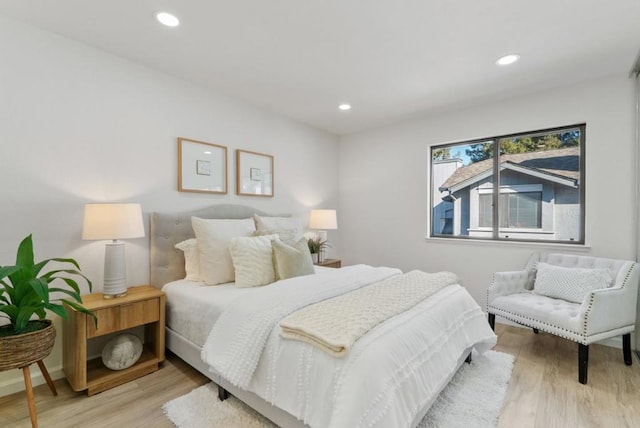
(79, 125)
(384, 182)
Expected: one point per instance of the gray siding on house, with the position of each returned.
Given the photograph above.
(465, 210)
(560, 209)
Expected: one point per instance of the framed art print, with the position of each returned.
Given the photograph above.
(254, 174)
(202, 167)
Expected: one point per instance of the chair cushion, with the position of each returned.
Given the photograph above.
(539, 310)
(571, 284)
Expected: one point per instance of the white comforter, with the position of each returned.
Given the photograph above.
(387, 378)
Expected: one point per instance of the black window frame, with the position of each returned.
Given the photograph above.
(496, 228)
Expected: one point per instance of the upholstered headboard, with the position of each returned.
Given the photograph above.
(167, 229)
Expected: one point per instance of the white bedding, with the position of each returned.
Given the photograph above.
(386, 379)
(389, 375)
(335, 324)
(193, 307)
(234, 346)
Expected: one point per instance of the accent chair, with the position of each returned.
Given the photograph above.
(583, 299)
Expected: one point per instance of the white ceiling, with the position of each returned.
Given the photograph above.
(389, 59)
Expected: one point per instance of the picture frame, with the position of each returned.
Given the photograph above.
(254, 174)
(202, 167)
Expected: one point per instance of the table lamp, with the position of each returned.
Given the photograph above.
(323, 220)
(113, 221)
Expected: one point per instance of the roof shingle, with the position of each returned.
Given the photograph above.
(563, 162)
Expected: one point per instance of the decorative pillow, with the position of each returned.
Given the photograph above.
(279, 223)
(191, 262)
(252, 260)
(292, 261)
(288, 236)
(213, 238)
(571, 284)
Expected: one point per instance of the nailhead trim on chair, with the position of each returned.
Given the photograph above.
(502, 313)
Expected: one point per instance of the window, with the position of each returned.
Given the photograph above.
(540, 180)
(520, 207)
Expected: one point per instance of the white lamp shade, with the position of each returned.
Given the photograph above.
(323, 219)
(112, 221)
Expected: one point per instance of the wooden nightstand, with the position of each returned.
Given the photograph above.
(143, 305)
(332, 263)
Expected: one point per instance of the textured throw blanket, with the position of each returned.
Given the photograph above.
(238, 337)
(333, 325)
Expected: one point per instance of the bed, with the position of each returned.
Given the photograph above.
(293, 383)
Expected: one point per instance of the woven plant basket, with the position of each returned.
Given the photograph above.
(24, 349)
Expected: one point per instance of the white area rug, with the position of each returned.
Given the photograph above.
(473, 398)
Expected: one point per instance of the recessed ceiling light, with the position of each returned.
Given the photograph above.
(167, 19)
(344, 107)
(508, 59)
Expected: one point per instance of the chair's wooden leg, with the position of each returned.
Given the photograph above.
(30, 401)
(45, 373)
(536, 331)
(583, 363)
(492, 321)
(223, 394)
(626, 348)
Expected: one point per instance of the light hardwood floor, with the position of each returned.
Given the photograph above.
(543, 392)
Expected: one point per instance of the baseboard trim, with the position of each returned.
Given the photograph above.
(16, 384)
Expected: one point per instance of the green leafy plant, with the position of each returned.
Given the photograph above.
(25, 289)
(316, 245)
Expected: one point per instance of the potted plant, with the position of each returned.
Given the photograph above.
(25, 290)
(316, 246)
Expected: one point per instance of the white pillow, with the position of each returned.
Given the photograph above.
(279, 223)
(291, 261)
(213, 238)
(191, 262)
(571, 284)
(253, 260)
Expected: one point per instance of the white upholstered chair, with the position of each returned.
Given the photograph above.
(599, 314)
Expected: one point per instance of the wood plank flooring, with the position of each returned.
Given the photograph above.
(543, 392)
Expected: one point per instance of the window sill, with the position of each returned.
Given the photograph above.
(489, 242)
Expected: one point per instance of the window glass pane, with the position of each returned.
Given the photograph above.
(454, 203)
(523, 210)
(486, 210)
(541, 173)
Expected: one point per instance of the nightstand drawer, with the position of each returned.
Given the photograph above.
(125, 316)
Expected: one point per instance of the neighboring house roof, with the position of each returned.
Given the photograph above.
(559, 165)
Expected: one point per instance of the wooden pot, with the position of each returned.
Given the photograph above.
(23, 349)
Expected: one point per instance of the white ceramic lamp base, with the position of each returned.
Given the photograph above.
(115, 271)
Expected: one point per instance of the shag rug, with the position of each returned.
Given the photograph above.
(473, 398)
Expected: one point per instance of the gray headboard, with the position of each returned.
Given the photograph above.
(167, 229)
